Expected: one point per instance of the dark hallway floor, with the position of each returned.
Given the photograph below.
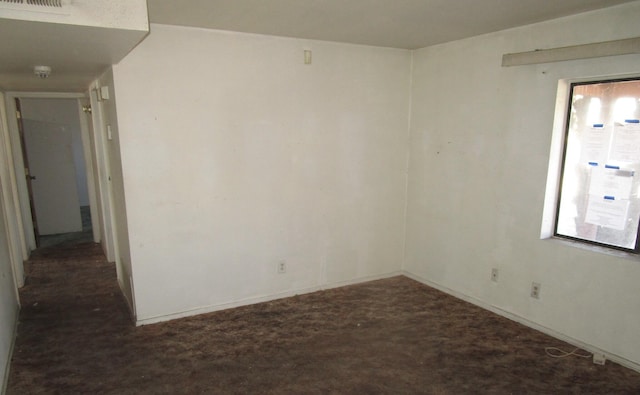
(392, 336)
(86, 235)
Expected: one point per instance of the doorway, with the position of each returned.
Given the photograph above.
(56, 175)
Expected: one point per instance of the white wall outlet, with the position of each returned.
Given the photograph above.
(104, 93)
(494, 274)
(599, 359)
(282, 267)
(535, 290)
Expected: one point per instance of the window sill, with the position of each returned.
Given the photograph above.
(595, 248)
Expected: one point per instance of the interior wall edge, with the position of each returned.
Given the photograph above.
(127, 301)
(15, 194)
(528, 323)
(5, 377)
(13, 218)
(264, 298)
(407, 167)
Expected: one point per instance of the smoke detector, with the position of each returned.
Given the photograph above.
(42, 71)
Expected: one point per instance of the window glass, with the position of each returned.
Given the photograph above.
(599, 196)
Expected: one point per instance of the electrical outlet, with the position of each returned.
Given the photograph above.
(282, 267)
(599, 359)
(535, 290)
(494, 274)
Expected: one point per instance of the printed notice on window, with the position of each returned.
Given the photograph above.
(607, 213)
(626, 143)
(595, 145)
(611, 182)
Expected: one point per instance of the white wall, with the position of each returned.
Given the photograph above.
(11, 205)
(8, 300)
(8, 294)
(480, 138)
(109, 121)
(236, 155)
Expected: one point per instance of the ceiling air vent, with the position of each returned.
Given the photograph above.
(38, 3)
(46, 3)
(40, 6)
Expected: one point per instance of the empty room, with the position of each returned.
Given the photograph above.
(298, 196)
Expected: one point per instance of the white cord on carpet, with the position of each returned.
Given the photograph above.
(555, 352)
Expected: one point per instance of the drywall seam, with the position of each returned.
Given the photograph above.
(262, 299)
(407, 166)
(514, 317)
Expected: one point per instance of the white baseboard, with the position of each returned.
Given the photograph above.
(521, 320)
(262, 299)
(5, 376)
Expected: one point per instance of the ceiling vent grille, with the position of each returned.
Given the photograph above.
(37, 3)
(45, 3)
(61, 7)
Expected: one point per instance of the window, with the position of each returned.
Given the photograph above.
(599, 200)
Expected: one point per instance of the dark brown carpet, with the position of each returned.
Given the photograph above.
(393, 336)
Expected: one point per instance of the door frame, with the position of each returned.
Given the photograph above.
(10, 202)
(20, 175)
(26, 165)
(102, 176)
(87, 131)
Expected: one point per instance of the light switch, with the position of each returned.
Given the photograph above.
(104, 93)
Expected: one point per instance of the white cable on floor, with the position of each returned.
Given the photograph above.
(555, 352)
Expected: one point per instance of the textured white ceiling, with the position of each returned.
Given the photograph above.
(78, 42)
(79, 54)
(406, 24)
(76, 54)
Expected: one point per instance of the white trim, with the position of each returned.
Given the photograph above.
(554, 170)
(574, 52)
(103, 182)
(593, 248)
(13, 216)
(88, 164)
(45, 95)
(262, 299)
(521, 320)
(20, 192)
(16, 264)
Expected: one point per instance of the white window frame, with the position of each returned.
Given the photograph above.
(555, 169)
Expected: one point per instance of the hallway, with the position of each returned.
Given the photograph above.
(389, 336)
(72, 312)
(84, 236)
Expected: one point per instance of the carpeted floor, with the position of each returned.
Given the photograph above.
(393, 336)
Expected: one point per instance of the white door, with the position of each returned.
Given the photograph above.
(55, 190)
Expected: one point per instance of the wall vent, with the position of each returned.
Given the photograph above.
(38, 3)
(46, 6)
